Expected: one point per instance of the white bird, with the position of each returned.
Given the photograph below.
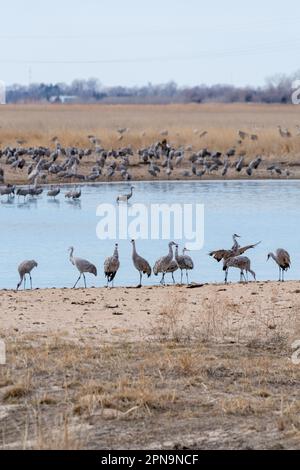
(125, 197)
(111, 265)
(140, 263)
(25, 268)
(282, 258)
(162, 264)
(240, 262)
(82, 265)
(184, 262)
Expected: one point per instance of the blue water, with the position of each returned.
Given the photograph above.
(43, 230)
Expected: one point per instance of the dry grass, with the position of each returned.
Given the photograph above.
(38, 124)
(222, 378)
(71, 124)
(147, 395)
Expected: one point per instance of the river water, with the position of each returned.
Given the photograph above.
(43, 229)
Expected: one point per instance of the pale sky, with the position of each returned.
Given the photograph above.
(133, 42)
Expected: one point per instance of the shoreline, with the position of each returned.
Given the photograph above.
(131, 313)
(206, 179)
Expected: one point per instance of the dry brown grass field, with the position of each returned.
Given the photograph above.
(38, 124)
(202, 368)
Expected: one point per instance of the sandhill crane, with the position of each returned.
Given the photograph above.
(284, 132)
(173, 266)
(111, 265)
(184, 262)
(25, 268)
(23, 192)
(9, 190)
(140, 263)
(240, 262)
(282, 258)
(203, 134)
(83, 266)
(73, 194)
(253, 165)
(225, 167)
(243, 134)
(122, 130)
(125, 197)
(235, 245)
(162, 264)
(53, 192)
(218, 255)
(76, 194)
(239, 164)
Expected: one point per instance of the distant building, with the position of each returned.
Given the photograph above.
(64, 99)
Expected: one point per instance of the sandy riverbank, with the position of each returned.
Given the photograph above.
(131, 314)
(151, 368)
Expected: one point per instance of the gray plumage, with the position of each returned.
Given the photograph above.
(283, 260)
(53, 192)
(235, 245)
(25, 268)
(125, 197)
(83, 266)
(173, 266)
(184, 262)
(140, 263)
(218, 255)
(111, 265)
(162, 264)
(240, 262)
(239, 164)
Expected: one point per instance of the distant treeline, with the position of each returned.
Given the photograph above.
(277, 89)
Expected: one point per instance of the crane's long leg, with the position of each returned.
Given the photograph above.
(140, 284)
(24, 281)
(282, 275)
(162, 281)
(20, 282)
(173, 278)
(279, 273)
(187, 276)
(181, 277)
(84, 280)
(77, 282)
(226, 275)
(30, 281)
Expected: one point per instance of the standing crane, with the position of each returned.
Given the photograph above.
(111, 266)
(83, 266)
(162, 264)
(140, 263)
(240, 262)
(184, 262)
(283, 260)
(25, 268)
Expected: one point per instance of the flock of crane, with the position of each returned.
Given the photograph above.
(169, 263)
(42, 164)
